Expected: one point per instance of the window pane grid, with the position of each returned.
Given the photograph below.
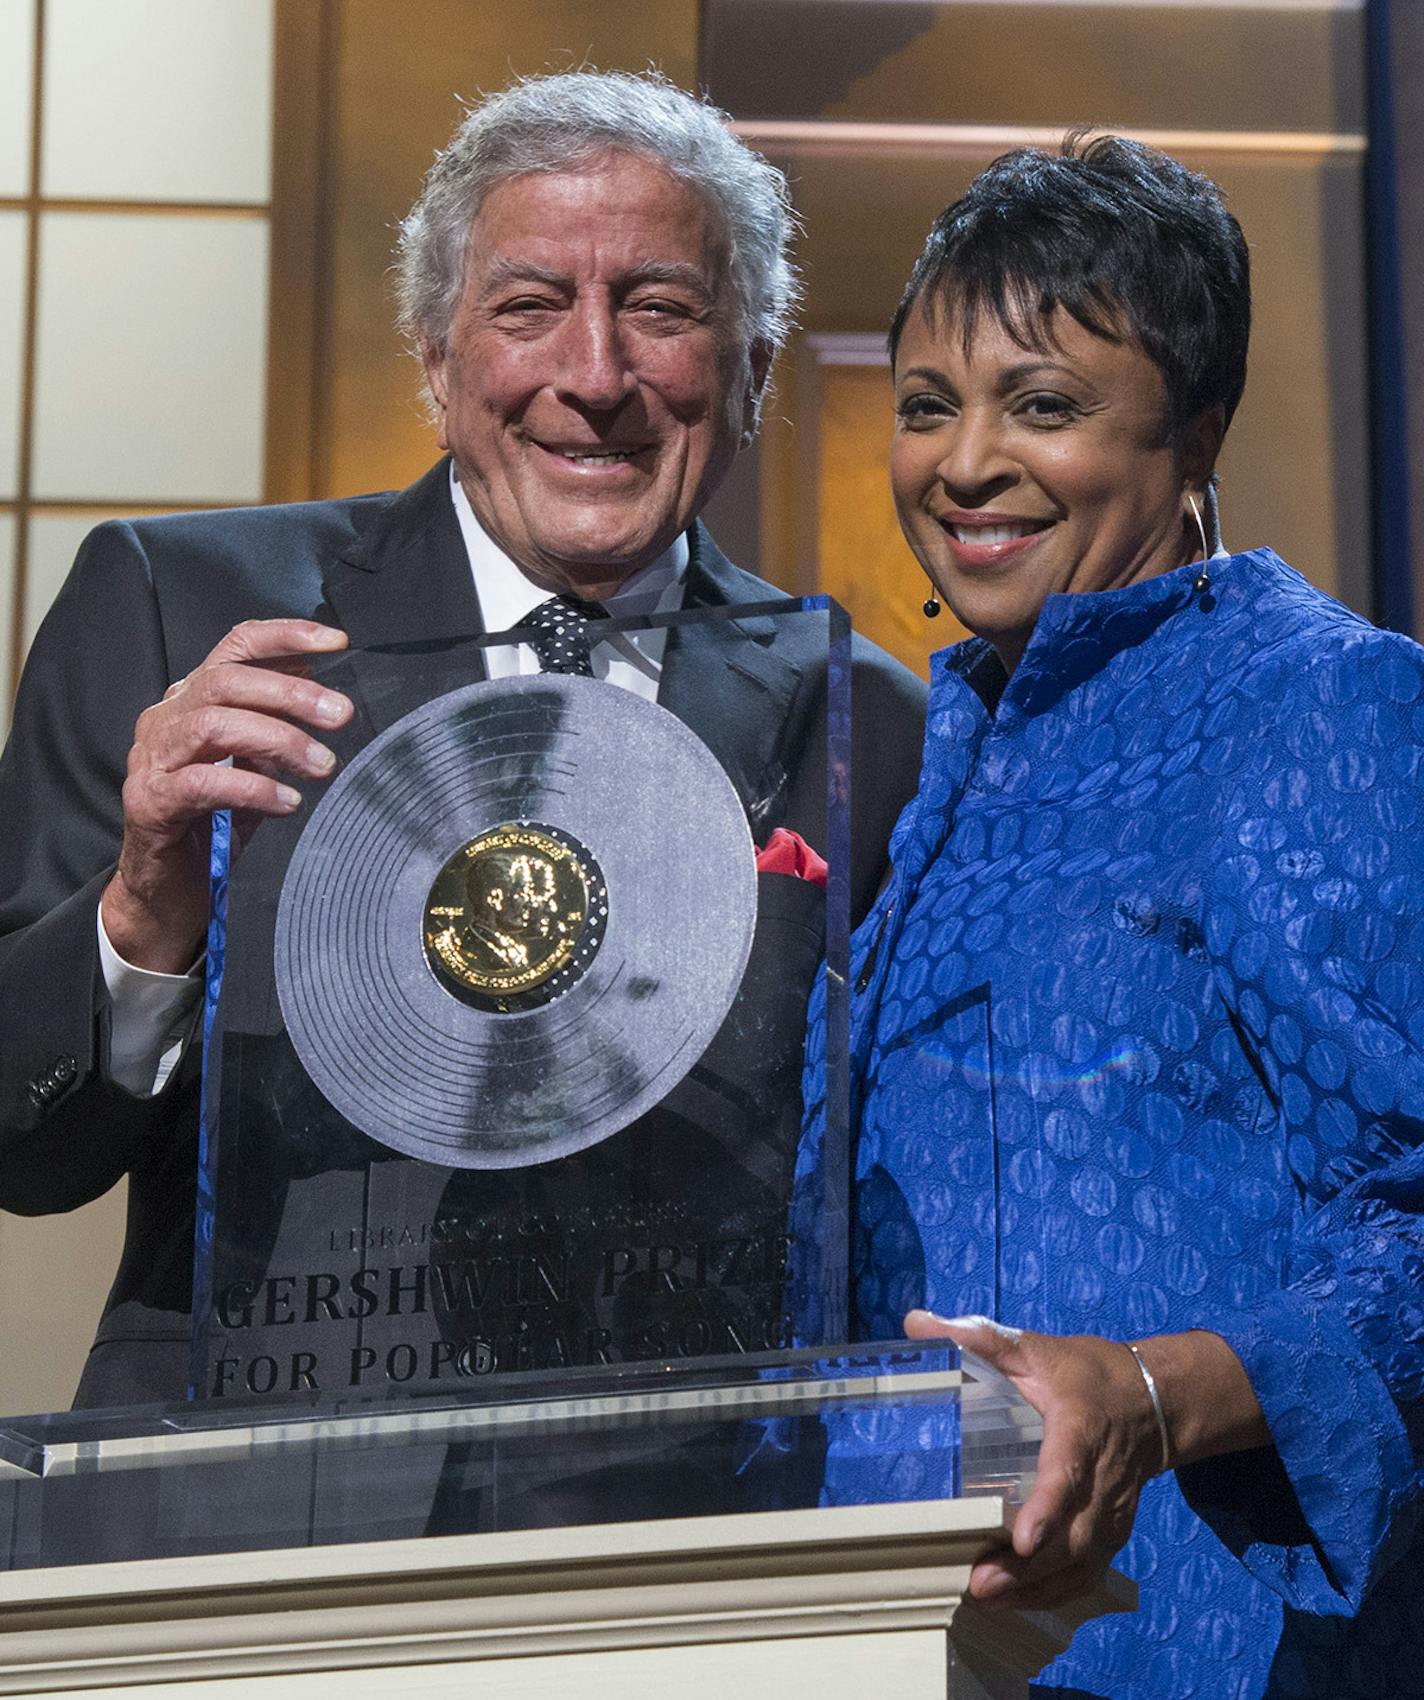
(135, 212)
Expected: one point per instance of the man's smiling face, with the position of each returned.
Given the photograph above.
(594, 386)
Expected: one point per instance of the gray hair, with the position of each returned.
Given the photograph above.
(559, 123)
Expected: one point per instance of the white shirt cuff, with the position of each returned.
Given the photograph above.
(151, 1018)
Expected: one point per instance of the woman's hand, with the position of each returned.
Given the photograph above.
(1101, 1441)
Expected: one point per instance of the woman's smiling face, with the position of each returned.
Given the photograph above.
(1022, 472)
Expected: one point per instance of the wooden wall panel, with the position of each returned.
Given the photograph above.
(1295, 468)
(1186, 64)
(386, 97)
(866, 563)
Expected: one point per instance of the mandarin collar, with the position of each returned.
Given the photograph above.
(1078, 633)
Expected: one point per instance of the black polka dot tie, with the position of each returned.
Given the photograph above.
(561, 625)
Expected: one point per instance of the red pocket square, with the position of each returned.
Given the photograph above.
(789, 853)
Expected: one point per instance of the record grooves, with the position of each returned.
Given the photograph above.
(609, 942)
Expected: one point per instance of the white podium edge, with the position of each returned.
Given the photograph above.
(683, 1581)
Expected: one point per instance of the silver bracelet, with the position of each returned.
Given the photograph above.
(1157, 1411)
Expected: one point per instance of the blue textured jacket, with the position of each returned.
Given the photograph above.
(1136, 1047)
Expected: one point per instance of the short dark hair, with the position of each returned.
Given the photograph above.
(1123, 238)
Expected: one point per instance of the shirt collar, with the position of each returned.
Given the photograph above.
(1079, 632)
(507, 596)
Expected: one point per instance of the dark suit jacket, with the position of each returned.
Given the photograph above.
(146, 601)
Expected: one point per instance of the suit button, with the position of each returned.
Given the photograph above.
(41, 1091)
(62, 1070)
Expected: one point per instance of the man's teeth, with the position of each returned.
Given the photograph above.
(992, 534)
(587, 457)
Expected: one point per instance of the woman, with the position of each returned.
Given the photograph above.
(1136, 1027)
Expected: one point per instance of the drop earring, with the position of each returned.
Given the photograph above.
(1202, 582)
(931, 603)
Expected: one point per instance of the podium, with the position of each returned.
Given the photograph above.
(193, 1548)
(837, 1602)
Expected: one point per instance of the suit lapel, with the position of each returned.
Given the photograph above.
(724, 679)
(401, 591)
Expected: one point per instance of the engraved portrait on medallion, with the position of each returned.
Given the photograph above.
(507, 912)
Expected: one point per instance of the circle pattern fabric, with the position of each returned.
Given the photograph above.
(562, 642)
(1138, 1050)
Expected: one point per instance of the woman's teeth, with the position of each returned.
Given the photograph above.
(992, 534)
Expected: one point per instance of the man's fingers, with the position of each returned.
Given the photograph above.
(182, 777)
(228, 709)
(238, 686)
(260, 640)
(198, 790)
(223, 737)
(226, 670)
(215, 731)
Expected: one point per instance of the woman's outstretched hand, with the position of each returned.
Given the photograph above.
(1101, 1441)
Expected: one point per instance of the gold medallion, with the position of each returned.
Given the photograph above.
(507, 911)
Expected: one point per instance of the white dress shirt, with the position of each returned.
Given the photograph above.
(152, 1016)
(633, 660)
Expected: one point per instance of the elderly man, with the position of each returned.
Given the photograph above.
(596, 279)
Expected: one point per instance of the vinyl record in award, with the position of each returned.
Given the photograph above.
(515, 921)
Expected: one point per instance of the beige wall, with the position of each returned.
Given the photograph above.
(135, 177)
